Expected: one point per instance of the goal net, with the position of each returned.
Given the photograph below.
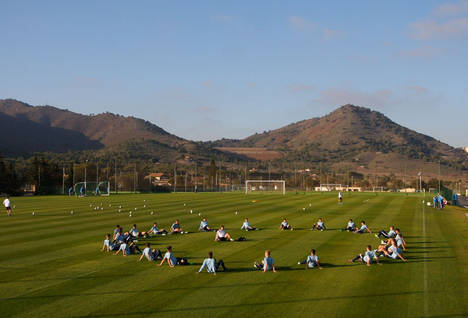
(265, 186)
(330, 187)
(377, 189)
(92, 188)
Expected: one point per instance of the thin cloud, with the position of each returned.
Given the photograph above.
(430, 29)
(452, 9)
(300, 23)
(421, 52)
(329, 34)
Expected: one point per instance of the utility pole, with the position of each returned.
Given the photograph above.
(115, 175)
(175, 179)
(439, 175)
(63, 179)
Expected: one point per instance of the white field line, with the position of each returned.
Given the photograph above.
(426, 303)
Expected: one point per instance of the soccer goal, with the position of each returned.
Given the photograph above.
(330, 187)
(265, 186)
(377, 189)
(92, 188)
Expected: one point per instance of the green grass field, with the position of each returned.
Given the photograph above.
(51, 264)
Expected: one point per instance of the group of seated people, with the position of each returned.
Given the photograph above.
(124, 242)
(392, 248)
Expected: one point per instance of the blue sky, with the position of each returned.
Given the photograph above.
(210, 69)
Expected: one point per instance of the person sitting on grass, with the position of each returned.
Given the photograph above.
(116, 231)
(155, 231)
(351, 227)
(320, 225)
(246, 225)
(390, 234)
(176, 229)
(400, 240)
(211, 264)
(172, 261)
(119, 238)
(134, 231)
(268, 264)
(368, 256)
(204, 226)
(363, 228)
(285, 226)
(125, 248)
(222, 235)
(312, 260)
(394, 251)
(107, 246)
(150, 254)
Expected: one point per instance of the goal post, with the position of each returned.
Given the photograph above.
(325, 187)
(92, 188)
(377, 189)
(270, 186)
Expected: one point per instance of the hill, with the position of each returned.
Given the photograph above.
(27, 129)
(351, 134)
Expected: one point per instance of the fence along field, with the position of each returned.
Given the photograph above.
(51, 264)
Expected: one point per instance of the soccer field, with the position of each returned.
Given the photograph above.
(51, 264)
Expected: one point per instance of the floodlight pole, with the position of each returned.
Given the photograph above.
(85, 171)
(63, 179)
(439, 175)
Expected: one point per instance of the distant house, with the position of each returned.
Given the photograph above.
(158, 179)
(466, 149)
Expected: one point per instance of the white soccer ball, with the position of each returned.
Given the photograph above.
(72, 212)
(199, 214)
(185, 204)
(428, 203)
(14, 207)
(34, 213)
(303, 209)
(102, 209)
(120, 207)
(136, 209)
(191, 211)
(310, 204)
(236, 212)
(152, 212)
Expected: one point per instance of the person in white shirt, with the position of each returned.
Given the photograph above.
(285, 226)
(211, 264)
(7, 204)
(312, 260)
(222, 235)
(340, 197)
(150, 254)
(246, 225)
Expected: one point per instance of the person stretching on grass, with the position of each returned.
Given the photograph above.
(246, 225)
(134, 231)
(222, 235)
(394, 251)
(175, 228)
(268, 264)
(351, 227)
(400, 240)
(155, 231)
(107, 246)
(125, 248)
(116, 231)
(363, 228)
(367, 258)
(312, 260)
(320, 225)
(172, 261)
(204, 226)
(211, 265)
(150, 254)
(390, 234)
(285, 226)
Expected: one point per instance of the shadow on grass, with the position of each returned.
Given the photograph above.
(254, 304)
